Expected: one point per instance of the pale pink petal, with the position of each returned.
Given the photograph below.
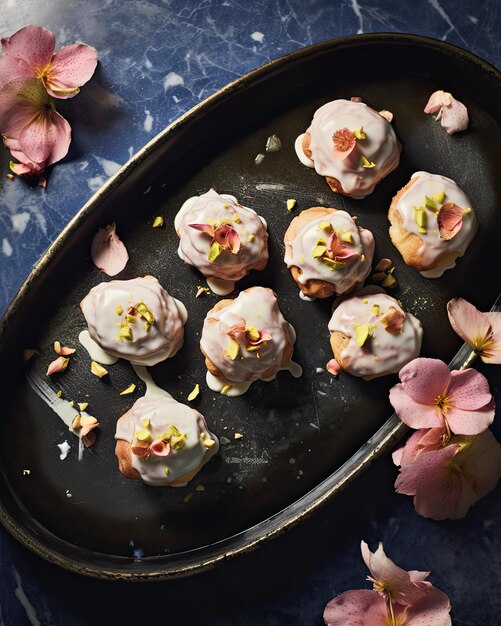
(412, 413)
(139, 450)
(20, 101)
(204, 228)
(425, 379)
(63, 350)
(46, 139)
(58, 365)
(356, 608)
(339, 252)
(423, 440)
(33, 44)
(388, 115)
(472, 422)
(236, 329)
(492, 352)
(468, 322)
(469, 389)
(393, 321)
(454, 117)
(12, 69)
(71, 68)
(449, 220)
(87, 428)
(108, 253)
(436, 101)
(396, 581)
(158, 447)
(227, 237)
(356, 99)
(344, 143)
(333, 367)
(431, 610)
(482, 461)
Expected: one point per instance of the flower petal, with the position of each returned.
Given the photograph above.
(58, 365)
(393, 321)
(33, 44)
(344, 143)
(431, 610)
(46, 138)
(463, 422)
(12, 69)
(20, 102)
(412, 413)
(204, 228)
(388, 115)
(454, 117)
(71, 68)
(449, 220)
(236, 329)
(492, 352)
(108, 253)
(423, 440)
(158, 447)
(469, 390)
(469, 323)
(338, 251)
(333, 367)
(361, 607)
(425, 379)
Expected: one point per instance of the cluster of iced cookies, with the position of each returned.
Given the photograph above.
(245, 339)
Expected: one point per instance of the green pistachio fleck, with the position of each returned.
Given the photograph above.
(214, 251)
(366, 163)
(420, 217)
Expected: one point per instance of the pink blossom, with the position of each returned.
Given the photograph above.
(29, 53)
(423, 440)
(445, 483)
(482, 331)
(431, 396)
(108, 253)
(452, 114)
(33, 130)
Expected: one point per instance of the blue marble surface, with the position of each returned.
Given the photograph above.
(158, 59)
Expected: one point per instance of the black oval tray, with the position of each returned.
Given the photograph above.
(303, 440)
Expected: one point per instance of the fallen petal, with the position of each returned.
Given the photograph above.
(62, 350)
(108, 253)
(333, 367)
(58, 365)
(436, 101)
(388, 115)
(454, 117)
(87, 428)
(449, 220)
(393, 321)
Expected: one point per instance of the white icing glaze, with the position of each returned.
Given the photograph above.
(162, 413)
(95, 351)
(60, 406)
(151, 386)
(298, 147)
(148, 347)
(194, 245)
(64, 448)
(426, 184)
(258, 307)
(380, 146)
(298, 252)
(384, 353)
(233, 389)
(305, 297)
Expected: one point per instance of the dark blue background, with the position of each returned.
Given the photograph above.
(158, 59)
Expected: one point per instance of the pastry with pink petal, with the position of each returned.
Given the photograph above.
(353, 146)
(221, 238)
(372, 335)
(163, 442)
(452, 114)
(432, 223)
(327, 252)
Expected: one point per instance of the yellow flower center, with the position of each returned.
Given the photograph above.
(43, 74)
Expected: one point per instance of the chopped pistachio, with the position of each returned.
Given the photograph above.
(326, 227)
(438, 197)
(365, 301)
(232, 349)
(72, 403)
(467, 210)
(420, 216)
(251, 238)
(194, 393)
(158, 221)
(145, 422)
(226, 221)
(430, 203)
(83, 405)
(59, 393)
(119, 309)
(214, 251)
(202, 436)
(147, 326)
(225, 389)
(236, 218)
(347, 236)
(188, 497)
(301, 260)
(208, 443)
(130, 318)
(145, 312)
(318, 251)
(361, 333)
(362, 258)
(10, 176)
(98, 370)
(366, 163)
(166, 470)
(76, 424)
(87, 420)
(252, 333)
(201, 291)
(359, 133)
(238, 435)
(125, 332)
(142, 434)
(390, 281)
(26, 472)
(174, 430)
(226, 206)
(177, 442)
(291, 203)
(333, 265)
(422, 230)
(130, 389)
(375, 309)
(251, 348)
(199, 488)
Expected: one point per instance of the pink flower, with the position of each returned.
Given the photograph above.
(445, 483)
(344, 143)
(423, 440)
(108, 253)
(224, 234)
(431, 396)
(453, 115)
(29, 53)
(35, 132)
(482, 331)
(399, 598)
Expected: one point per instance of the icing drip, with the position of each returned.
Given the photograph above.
(257, 307)
(380, 146)
(151, 386)
(426, 184)
(163, 412)
(107, 304)
(298, 252)
(384, 353)
(298, 147)
(194, 245)
(95, 351)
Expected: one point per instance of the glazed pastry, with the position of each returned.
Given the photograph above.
(327, 252)
(350, 144)
(222, 238)
(135, 319)
(372, 335)
(432, 223)
(163, 442)
(246, 339)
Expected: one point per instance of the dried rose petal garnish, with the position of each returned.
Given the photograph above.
(62, 350)
(58, 365)
(159, 447)
(344, 143)
(252, 336)
(449, 220)
(393, 321)
(338, 251)
(108, 253)
(333, 367)
(452, 114)
(224, 237)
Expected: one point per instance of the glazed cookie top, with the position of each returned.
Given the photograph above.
(135, 319)
(221, 237)
(247, 337)
(376, 153)
(332, 248)
(382, 336)
(168, 439)
(436, 210)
